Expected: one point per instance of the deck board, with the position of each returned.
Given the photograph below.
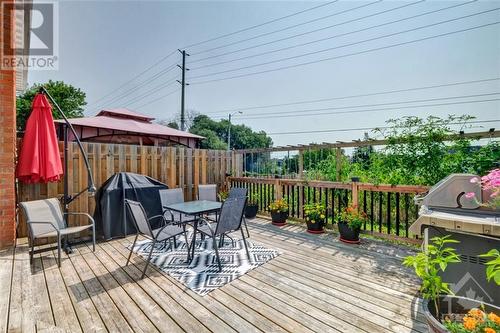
(315, 285)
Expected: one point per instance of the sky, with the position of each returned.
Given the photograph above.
(104, 45)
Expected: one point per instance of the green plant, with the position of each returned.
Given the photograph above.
(475, 321)
(253, 199)
(315, 212)
(352, 217)
(493, 266)
(279, 206)
(429, 263)
(223, 195)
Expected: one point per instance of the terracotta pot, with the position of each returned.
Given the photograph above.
(279, 218)
(348, 235)
(452, 305)
(316, 227)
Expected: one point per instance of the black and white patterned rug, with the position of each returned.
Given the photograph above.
(202, 274)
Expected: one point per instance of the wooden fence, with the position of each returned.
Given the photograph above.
(390, 209)
(174, 166)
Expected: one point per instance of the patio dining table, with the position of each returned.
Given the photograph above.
(195, 208)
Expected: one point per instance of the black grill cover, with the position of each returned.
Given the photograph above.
(110, 213)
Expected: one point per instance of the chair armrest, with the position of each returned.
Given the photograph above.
(171, 215)
(43, 222)
(205, 220)
(83, 214)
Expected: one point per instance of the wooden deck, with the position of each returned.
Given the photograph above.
(316, 285)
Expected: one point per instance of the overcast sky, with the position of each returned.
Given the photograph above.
(105, 44)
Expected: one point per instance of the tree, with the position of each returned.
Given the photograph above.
(175, 122)
(69, 98)
(242, 137)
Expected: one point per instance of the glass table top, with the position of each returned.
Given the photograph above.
(195, 207)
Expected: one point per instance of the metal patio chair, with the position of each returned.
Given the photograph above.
(173, 196)
(209, 193)
(46, 219)
(240, 192)
(142, 223)
(230, 220)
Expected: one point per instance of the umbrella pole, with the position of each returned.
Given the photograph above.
(65, 199)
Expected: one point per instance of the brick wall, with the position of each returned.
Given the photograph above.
(7, 141)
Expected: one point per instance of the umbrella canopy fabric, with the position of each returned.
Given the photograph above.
(39, 160)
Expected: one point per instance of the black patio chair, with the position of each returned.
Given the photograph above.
(230, 219)
(173, 196)
(240, 192)
(142, 223)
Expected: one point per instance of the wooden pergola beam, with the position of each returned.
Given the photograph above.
(340, 144)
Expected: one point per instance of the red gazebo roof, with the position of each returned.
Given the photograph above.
(128, 121)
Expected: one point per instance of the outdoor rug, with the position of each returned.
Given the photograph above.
(202, 274)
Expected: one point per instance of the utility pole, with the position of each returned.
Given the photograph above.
(183, 86)
(229, 130)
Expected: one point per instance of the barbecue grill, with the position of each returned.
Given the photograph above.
(445, 210)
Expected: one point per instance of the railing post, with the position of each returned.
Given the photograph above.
(301, 164)
(278, 193)
(338, 163)
(354, 194)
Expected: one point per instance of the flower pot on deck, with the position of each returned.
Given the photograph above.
(251, 211)
(348, 235)
(279, 218)
(451, 306)
(315, 228)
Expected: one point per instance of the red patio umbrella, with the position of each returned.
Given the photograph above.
(39, 160)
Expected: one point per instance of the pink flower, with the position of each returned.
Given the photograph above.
(470, 195)
(474, 180)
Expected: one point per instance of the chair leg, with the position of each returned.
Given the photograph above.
(245, 242)
(175, 241)
(59, 251)
(187, 244)
(32, 246)
(131, 249)
(149, 258)
(93, 238)
(216, 253)
(246, 226)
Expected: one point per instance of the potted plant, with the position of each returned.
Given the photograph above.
(279, 212)
(349, 222)
(252, 206)
(315, 218)
(443, 311)
(493, 266)
(490, 185)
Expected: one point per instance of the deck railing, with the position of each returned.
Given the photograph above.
(390, 208)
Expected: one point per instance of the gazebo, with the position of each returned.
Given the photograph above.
(126, 127)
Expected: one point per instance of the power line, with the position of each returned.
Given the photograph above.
(369, 105)
(345, 45)
(203, 42)
(285, 28)
(135, 77)
(144, 82)
(356, 96)
(259, 25)
(371, 110)
(349, 54)
(149, 92)
(370, 128)
(157, 99)
(326, 38)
